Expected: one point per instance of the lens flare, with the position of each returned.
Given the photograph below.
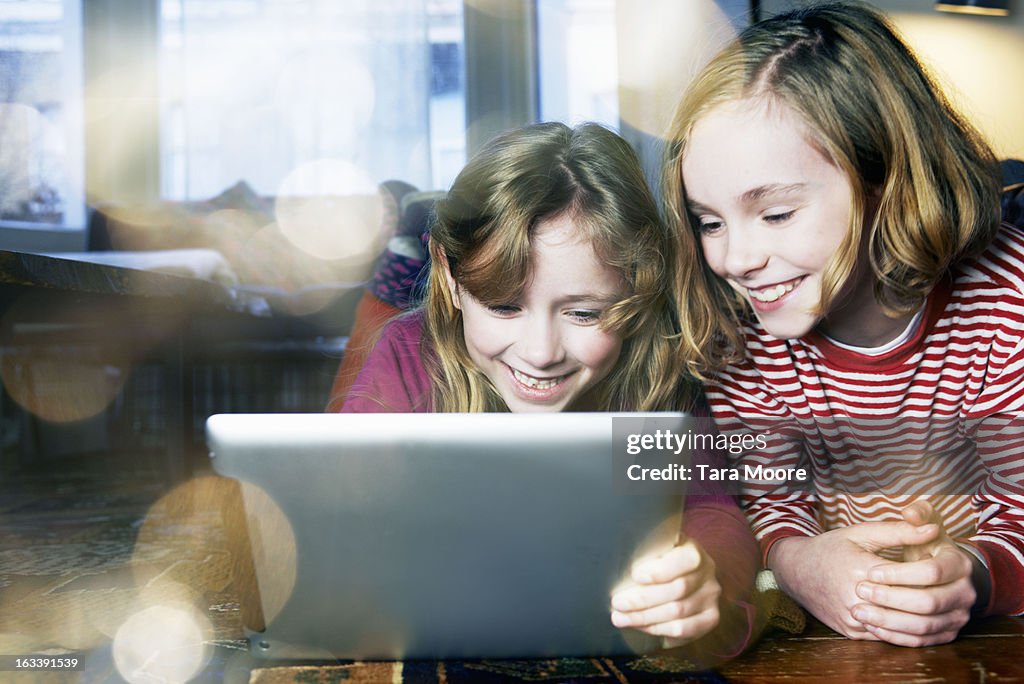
(49, 366)
(260, 523)
(132, 227)
(57, 389)
(66, 360)
(121, 119)
(161, 644)
(331, 209)
(256, 556)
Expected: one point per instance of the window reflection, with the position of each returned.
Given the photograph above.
(40, 113)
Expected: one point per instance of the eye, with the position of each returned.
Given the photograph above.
(775, 217)
(503, 310)
(707, 225)
(585, 316)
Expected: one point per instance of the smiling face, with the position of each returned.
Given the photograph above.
(545, 351)
(772, 211)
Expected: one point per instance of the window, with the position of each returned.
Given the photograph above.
(578, 61)
(41, 114)
(266, 91)
(445, 33)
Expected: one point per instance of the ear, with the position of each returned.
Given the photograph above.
(453, 287)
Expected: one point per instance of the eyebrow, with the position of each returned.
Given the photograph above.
(598, 298)
(755, 194)
(771, 190)
(591, 298)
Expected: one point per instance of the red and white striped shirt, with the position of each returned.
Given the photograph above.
(940, 415)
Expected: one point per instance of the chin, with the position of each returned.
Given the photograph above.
(787, 330)
(526, 407)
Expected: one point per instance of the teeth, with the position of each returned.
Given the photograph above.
(535, 383)
(772, 293)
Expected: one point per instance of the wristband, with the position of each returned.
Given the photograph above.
(981, 579)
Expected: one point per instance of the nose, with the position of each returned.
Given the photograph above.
(540, 342)
(745, 254)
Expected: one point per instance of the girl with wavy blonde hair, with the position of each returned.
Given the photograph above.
(869, 311)
(550, 289)
(483, 234)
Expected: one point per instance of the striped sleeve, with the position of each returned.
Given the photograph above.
(994, 420)
(998, 432)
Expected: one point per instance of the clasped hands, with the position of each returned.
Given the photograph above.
(923, 600)
(838, 576)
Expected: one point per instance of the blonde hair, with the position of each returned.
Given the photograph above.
(483, 230)
(877, 116)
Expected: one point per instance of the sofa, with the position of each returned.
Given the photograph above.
(288, 256)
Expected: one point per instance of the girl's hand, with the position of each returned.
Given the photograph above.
(675, 595)
(823, 572)
(925, 600)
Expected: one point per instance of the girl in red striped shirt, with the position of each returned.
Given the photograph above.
(868, 322)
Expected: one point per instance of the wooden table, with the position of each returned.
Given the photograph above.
(91, 521)
(989, 651)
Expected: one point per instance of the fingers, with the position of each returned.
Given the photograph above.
(884, 535)
(921, 512)
(916, 600)
(919, 603)
(644, 597)
(652, 619)
(670, 577)
(678, 632)
(948, 564)
(674, 563)
(908, 629)
(912, 640)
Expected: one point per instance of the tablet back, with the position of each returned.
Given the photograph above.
(380, 536)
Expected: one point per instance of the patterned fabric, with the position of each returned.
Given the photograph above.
(396, 274)
(590, 670)
(939, 415)
(400, 274)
